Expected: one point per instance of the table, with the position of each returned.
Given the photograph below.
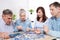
(46, 38)
(24, 35)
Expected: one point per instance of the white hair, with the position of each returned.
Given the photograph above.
(22, 11)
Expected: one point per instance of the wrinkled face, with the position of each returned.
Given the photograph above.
(54, 10)
(23, 16)
(40, 13)
(7, 19)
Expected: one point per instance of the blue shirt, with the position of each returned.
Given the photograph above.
(24, 24)
(54, 26)
(39, 24)
(6, 28)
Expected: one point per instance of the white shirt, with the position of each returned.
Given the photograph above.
(4, 27)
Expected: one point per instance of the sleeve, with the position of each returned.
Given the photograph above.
(16, 24)
(48, 23)
(35, 23)
(0, 29)
(30, 26)
(54, 33)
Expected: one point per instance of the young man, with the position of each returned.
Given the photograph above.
(52, 25)
(22, 23)
(6, 24)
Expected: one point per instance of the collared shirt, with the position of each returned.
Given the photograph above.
(25, 24)
(54, 26)
(6, 28)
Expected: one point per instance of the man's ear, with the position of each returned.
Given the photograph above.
(3, 15)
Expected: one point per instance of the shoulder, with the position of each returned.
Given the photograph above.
(50, 19)
(1, 21)
(27, 20)
(17, 21)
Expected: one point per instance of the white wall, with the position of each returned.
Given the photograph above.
(15, 5)
(33, 4)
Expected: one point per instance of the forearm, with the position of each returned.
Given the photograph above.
(54, 33)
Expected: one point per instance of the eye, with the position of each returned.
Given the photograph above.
(38, 12)
(9, 18)
(51, 9)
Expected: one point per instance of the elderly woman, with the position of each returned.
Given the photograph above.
(23, 24)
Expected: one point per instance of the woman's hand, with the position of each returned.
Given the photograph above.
(28, 29)
(37, 31)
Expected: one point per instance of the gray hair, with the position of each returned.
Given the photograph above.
(7, 12)
(22, 11)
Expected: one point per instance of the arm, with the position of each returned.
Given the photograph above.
(49, 29)
(17, 26)
(3, 35)
(29, 26)
(36, 28)
(51, 32)
(54, 33)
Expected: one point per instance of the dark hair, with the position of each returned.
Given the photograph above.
(7, 12)
(43, 11)
(56, 4)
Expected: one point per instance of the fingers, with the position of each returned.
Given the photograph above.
(37, 31)
(19, 27)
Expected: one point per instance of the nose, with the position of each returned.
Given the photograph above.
(10, 20)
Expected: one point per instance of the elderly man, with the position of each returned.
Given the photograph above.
(6, 24)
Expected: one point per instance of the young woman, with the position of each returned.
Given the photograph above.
(41, 18)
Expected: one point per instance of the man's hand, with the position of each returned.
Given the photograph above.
(19, 27)
(4, 35)
(46, 29)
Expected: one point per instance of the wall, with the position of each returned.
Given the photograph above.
(15, 5)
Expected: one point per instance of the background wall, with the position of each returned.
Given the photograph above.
(33, 4)
(16, 5)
